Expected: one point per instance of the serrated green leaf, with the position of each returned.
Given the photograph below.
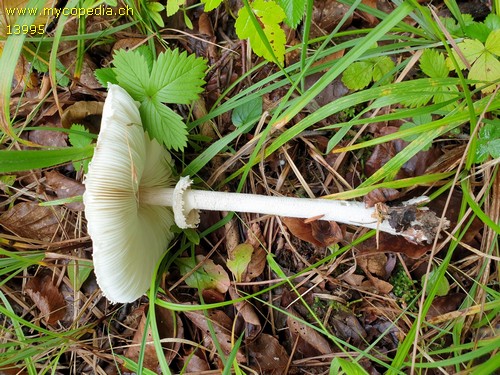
(105, 76)
(239, 259)
(79, 136)
(132, 72)
(207, 276)
(78, 272)
(163, 124)
(478, 31)
(211, 4)
(358, 75)
(493, 42)
(433, 64)
(247, 112)
(294, 10)
(269, 15)
(176, 77)
(381, 66)
(492, 21)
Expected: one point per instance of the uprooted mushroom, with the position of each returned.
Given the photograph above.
(132, 200)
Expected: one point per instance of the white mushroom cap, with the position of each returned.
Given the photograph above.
(128, 237)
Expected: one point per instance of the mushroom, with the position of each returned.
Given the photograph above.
(132, 200)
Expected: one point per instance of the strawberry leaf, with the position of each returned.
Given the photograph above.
(433, 64)
(176, 77)
(163, 124)
(294, 10)
(132, 72)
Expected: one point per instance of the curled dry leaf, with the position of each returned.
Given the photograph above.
(380, 196)
(267, 355)
(47, 298)
(222, 326)
(31, 221)
(258, 260)
(375, 264)
(65, 187)
(384, 152)
(169, 326)
(319, 232)
(85, 113)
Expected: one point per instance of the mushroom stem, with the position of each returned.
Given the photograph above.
(347, 212)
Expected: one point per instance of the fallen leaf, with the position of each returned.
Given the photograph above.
(258, 261)
(384, 152)
(85, 113)
(374, 264)
(195, 362)
(326, 16)
(207, 275)
(445, 304)
(65, 187)
(169, 326)
(311, 343)
(380, 196)
(49, 138)
(247, 311)
(222, 326)
(320, 233)
(31, 221)
(47, 297)
(267, 355)
(239, 259)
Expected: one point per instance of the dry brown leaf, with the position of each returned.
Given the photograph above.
(326, 16)
(258, 261)
(267, 355)
(371, 19)
(445, 304)
(380, 196)
(222, 326)
(31, 221)
(169, 326)
(195, 362)
(311, 343)
(65, 187)
(47, 297)
(48, 137)
(84, 113)
(384, 152)
(374, 264)
(247, 312)
(320, 233)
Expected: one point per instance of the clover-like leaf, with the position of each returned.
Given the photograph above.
(269, 15)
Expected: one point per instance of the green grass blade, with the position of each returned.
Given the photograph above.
(16, 161)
